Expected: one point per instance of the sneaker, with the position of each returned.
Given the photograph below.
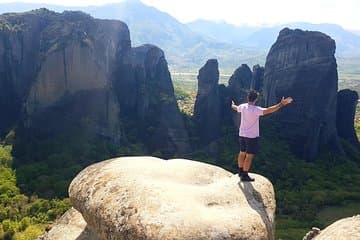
(247, 178)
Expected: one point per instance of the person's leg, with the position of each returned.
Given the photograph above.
(248, 161)
(241, 159)
(252, 148)
(247, 164)
(241, 156)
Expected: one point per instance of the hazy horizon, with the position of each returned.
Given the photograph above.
(343, 13)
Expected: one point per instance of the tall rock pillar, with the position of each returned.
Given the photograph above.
(301, 64)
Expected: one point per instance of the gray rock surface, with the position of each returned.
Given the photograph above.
(346, 228)
(241, 78)
(79, 54)
(301, 64)
(63, 72)
(345, 115)
(207, 109)
(257, 80)
(239, 82)
(150, 198)
(71, 226)
(146, 95)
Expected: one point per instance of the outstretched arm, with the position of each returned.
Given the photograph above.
(233, 106)
(276, 107)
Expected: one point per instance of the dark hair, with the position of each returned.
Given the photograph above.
(252, 96)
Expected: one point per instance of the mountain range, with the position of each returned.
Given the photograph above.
(188, 46)
(348, 43)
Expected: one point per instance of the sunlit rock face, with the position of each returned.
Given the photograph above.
(346, 228)
(64, 73)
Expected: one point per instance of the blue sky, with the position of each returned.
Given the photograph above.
(248, 12)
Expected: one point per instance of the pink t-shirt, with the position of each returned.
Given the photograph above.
(249, 126)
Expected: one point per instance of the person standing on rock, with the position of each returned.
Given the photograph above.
(249, 130)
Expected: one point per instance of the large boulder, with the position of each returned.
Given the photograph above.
(151, 198)
(346, 228)
(71, 226)
(345, 115)
(301, 64)
(207, 109)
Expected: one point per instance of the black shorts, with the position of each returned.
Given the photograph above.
(249, 145)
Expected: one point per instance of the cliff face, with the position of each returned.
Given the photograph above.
(257, 80)
(207, 110)
(59, 72)
(345, 115)
(77, 55)
(19, 47)
(301, 64)
(146, 96)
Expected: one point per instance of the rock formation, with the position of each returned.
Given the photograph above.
(345, 115)
(346, 228)
(312, 233)
(149, 198)
(301, 64)
(62, 72)
(239, 82)
(71, 226)
(146, 95)
(78, 55)
(207, 109)
(257, 78)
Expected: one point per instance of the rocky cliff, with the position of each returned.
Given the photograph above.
(239, 82)
(345, 115)
(257, 80)
(149, 198)
(207, 109)
(146, 97)
(301, 64)
(69, 71)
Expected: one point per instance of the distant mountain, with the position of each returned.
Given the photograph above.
(222, 31)
(147, 24)
(184, 48)
(188, 46)
(347, 43)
